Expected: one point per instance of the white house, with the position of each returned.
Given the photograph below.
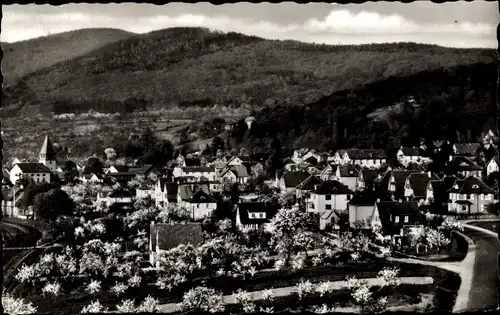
(350, 176)
(254, 215)
(121, 196)
(36, 171)
(416, 185)
(407, 155)
(200, 173)
(234, 174)
(328, 196)
(200, 205)
(466, 149)
(301, 155)
(165, 192)
(290, 180)
(361, 208)
(492, 166)
(470, 195)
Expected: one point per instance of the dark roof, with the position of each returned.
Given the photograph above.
(419, 182)
(467, 149)
(309, 183)
(363, 154)
(48, 149)
(141, 170)
(122, 174)
(472, 185)
(172, 189)
(192, 162)
(120, 193)
(348, 170)
(201, 169)
(292, 179)
(259, 157)
(312, 160)
(333, 187)
(244, 208)
(463, 202)
(411, 151)
(461, 163)
(495, 158)
(201, 197)
(388, 209)
(364, 198)
(187, 191)
(33, 168)
(173, 235)
(239, 170)
(400, 178)
(369, 176)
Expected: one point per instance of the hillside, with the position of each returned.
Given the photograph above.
(195, 66)
(457, 104)
(21, 58)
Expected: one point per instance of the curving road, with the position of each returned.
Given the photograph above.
(485, 280)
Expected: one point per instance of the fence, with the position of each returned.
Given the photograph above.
(475, 216)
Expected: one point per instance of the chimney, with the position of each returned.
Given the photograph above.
(400, 200)
(378, 200)
(450, 158)
(429, 174)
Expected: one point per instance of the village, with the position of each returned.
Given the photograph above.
(238, 222)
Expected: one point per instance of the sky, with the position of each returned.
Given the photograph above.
(454, 24)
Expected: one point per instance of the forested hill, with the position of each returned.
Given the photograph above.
(456, 103)
(24, 57)
(195, 66)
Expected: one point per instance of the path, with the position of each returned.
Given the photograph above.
(285, 291)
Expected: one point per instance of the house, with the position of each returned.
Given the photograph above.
(350, 176)
(463, 166)
(492, 166)
(90, 178)
(200, 205)
(145, 190)
(185, 191)
(470, 195)
(396, 184)
(438, 190)
(36, 171)
(369, 158)
(114, 169)
(338, 157)
(369, 177)
(407, 155)
(328, 196)
(47, 155)
(302, 190)
(165, 192)
(466, 149)
(200, 173)
(234, 174)
(416, 185)
(393, 216)
(164, 237)
(290, 180)
(6, 179)
(117, 196)
(361, 208)
(254, 215)
(144, 170)
(302, 155)
(191, 162)
(11, 201)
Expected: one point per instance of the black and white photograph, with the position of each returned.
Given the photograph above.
(249, 158)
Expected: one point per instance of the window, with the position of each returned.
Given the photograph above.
(328, 207)
(484, 208)
(407, 219)
(464, 208)
(261, 216)
(348, 197)
(475, 186)
(396, 219)
(328, 197)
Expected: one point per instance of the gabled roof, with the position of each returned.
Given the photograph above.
(467, 149)
(142, 170)
(348, 170)
(495, 158)
(292, 179)
(259, 157)
(309, 183)
(400, 178)
(419, 182)
(239, 170)
(201, 197)
(312, 160)
(471, 185)
(173, 235)
(369, 176)
(364, 198)
(333, 187)
(365, 154)
(411, 151)
(33, 168)
(399, 208)
(120, 193)
(48, 149)
(244, 208)
(192, 162)
(461, 163)
(121, 168)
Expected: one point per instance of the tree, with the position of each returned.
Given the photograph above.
(53, 204)
(202, 299)
(94, 166)
(217, 144)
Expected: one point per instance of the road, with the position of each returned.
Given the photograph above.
(485, 281)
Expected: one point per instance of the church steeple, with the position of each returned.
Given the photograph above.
(47, 154)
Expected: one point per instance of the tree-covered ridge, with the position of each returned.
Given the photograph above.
(195, 66)
(457, 104)
(24, 57)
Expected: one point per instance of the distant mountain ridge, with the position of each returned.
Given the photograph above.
(196, 66)
(24, 57)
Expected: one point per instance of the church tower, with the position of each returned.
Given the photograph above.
(48, 155)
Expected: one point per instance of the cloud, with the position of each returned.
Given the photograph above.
(340, 26)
